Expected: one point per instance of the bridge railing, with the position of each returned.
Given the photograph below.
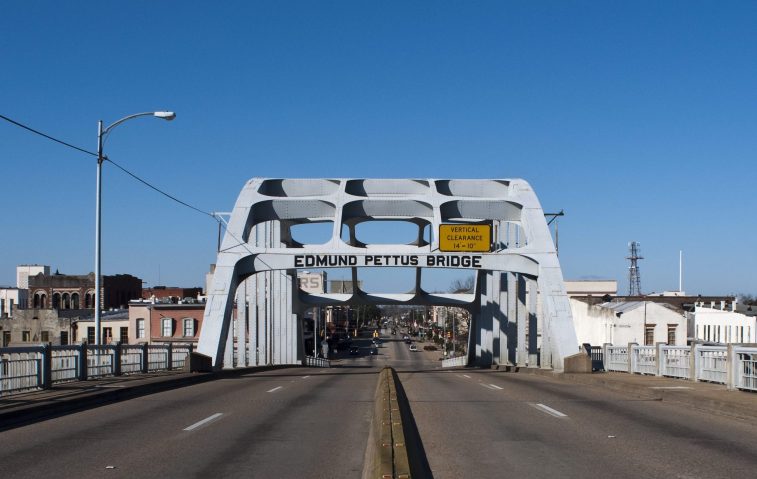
(455, 362)
(39, 367)
(733, 365)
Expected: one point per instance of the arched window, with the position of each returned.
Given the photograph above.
(66, 301)
(37, 299)
(75, 300)
(43, 301)
(89, 300)
(56, 300)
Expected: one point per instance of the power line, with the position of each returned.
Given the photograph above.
(47, 136)
(144, 182)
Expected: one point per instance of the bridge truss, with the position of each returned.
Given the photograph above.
(519, 294)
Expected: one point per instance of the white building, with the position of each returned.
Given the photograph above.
(721, 324)
(591, 287)
(23, 271)
(11, 299)
(623, 322)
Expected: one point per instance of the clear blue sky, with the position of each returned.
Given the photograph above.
(637, 118)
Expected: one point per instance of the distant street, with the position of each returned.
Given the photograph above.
(303, 422)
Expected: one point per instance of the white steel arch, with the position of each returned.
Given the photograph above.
(519, 292)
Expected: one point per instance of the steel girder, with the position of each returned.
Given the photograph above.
(258, 244)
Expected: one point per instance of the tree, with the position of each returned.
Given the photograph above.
(464, 285)
(748, 299)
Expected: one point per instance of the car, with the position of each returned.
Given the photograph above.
(374, 351)
(413, 347)
(408, 341)
(354, 350)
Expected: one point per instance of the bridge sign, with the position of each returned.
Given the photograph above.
(465, 237)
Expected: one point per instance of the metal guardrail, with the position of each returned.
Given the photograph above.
(732, 365)
(39, 367)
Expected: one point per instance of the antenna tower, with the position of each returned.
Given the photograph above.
(634, 279)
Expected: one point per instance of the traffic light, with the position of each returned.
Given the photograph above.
(449, 334)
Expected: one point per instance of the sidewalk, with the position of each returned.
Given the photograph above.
(708, 397)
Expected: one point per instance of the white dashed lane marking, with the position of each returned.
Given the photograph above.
(204, 421)
(548, 410)
(274, 389)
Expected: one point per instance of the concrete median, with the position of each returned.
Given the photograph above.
(386, 455)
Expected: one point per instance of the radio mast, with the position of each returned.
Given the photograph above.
(634, 278)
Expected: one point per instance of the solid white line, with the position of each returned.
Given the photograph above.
(548, 410)
(274, 389)
(495, 386)
(466, 376)
(204, 421)
(305, 377)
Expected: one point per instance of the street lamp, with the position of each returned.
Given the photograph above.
(101, 133)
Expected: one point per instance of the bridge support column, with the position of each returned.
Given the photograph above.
(522, 320)
(533, 330)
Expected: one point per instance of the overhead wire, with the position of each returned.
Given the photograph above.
(136, 177)
(47, 136)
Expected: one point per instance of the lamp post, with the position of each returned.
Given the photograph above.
(101, 133)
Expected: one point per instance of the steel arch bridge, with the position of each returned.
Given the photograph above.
(519, 293)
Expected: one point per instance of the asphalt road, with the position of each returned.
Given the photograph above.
(299, 422)
(278, 424)
(486, 423)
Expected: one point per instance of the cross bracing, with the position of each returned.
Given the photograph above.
(519, 305)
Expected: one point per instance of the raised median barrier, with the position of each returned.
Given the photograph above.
(386, 456)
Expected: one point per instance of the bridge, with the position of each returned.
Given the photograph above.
(114, 411)
(316, 422)
(519, 306)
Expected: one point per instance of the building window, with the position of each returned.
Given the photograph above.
(75, 301)
(63, 338)
(649, 335)
(124, 335)
(107, 335)
(26, 336)
(167, 327)
(91, 334)
(45, 336)
(671, 334)
(189, 327)
(140, 328)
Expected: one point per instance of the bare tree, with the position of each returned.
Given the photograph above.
(749, 299)
(464, 285)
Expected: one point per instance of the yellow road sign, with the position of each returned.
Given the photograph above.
(465, 237)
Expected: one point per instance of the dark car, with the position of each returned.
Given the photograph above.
(354, 350)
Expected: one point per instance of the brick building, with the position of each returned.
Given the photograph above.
(173, 293)
(64, 291)
(153, 322)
